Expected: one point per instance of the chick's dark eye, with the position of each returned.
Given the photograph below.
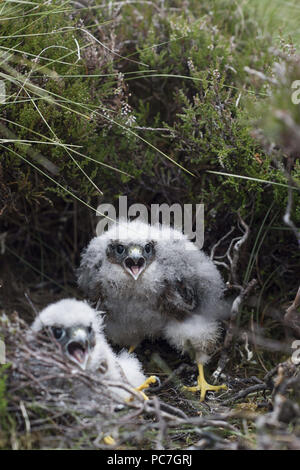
(120, 249)
(148, 248)
(57, 332)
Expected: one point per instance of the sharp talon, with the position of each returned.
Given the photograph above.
(109, 441)
(151, 380)
(203, 386)
(131, 349)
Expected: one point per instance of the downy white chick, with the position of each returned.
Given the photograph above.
(78, 330)
(154, 282)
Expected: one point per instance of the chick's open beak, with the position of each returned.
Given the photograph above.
(134, 264)
(78, 347)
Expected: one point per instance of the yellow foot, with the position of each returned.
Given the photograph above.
(109, 441)
(151, 380)
(203, 386)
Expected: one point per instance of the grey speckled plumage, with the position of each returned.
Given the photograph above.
(169, 289)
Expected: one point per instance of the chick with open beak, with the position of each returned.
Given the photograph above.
(80, 340)
(74, 327)
(134, 258)
(77, 330)
(77, 342)
(135, 262)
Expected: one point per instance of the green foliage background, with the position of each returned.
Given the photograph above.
(159, 101)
